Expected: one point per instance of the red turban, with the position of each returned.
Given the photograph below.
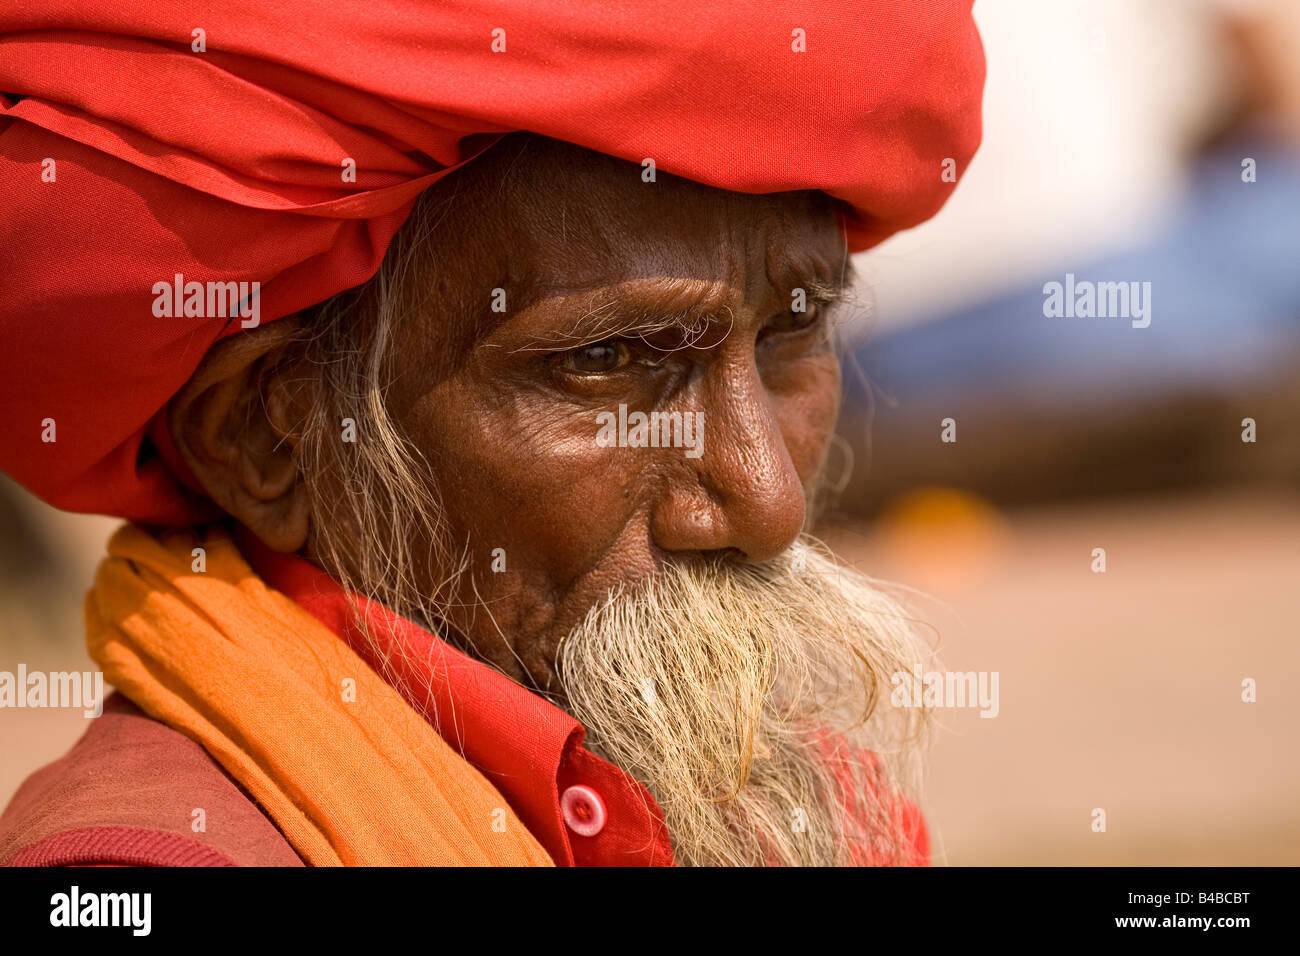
(140, 140)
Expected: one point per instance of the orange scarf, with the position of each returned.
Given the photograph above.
(348, 771)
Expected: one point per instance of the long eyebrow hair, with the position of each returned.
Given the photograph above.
(623, 319)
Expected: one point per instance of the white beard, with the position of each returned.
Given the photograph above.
(712, 685)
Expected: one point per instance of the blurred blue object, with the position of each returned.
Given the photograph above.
(1225, 311)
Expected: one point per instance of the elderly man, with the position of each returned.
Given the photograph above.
(469, 527)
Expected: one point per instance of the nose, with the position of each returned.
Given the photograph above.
(743, 492)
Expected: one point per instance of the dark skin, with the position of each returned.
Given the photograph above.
(503, 405)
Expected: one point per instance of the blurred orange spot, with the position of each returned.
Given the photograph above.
(941, 537)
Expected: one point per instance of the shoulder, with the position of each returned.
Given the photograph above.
(134, 792)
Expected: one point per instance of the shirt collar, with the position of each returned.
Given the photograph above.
(528, 748)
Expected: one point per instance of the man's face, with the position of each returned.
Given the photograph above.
(531, 310)
(664, 297)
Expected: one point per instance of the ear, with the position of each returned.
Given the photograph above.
(235, 424)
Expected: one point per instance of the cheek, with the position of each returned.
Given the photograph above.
(526, 476)
(806, 399)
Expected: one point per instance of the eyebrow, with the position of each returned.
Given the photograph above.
(640, 317)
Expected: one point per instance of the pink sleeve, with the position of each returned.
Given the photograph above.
(134, 792)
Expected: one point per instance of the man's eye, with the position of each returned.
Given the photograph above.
(600, 357)
(793, 321)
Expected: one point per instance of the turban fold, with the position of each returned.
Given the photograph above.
(285, 143)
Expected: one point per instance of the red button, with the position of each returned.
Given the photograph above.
(584, 811)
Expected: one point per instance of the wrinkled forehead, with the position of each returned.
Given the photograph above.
(550, 218)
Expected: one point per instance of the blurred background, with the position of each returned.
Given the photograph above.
(1115, 137)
